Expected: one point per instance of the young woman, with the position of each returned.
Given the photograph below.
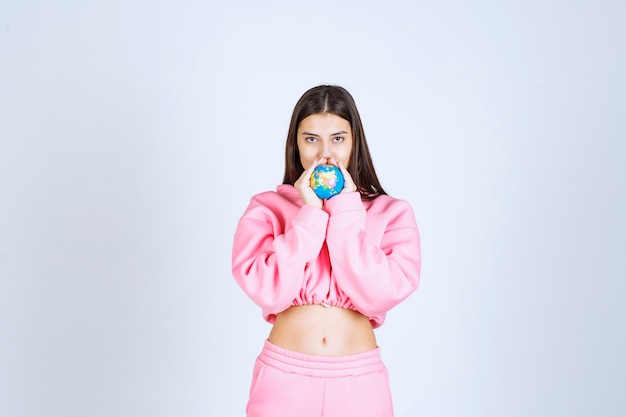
(325, 272)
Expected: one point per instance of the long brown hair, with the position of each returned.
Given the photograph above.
(336, 100)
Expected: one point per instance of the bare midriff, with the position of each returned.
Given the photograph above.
(323, 331)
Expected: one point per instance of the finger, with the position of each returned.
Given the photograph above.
(306, 175)
(348, 182)
(344, 171)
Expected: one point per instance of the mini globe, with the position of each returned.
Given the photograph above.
(326, 181)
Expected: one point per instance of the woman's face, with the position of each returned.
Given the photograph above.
(324, 135)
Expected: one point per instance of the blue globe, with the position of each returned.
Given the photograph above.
(326, 181)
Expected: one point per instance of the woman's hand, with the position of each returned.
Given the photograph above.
(303, 185)
(348, 183)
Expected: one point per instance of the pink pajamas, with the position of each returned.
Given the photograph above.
(354, 253)
(292, 384)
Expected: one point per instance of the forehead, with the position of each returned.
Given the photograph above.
(324, 123)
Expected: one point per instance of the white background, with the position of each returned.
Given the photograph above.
(133, 133)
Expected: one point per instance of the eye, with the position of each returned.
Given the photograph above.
(310, 139)
(338, 139)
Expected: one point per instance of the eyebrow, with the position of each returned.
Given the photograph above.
(343, 132)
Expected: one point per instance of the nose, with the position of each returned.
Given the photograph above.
(325, 150)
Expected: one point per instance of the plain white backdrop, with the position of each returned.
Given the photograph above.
(133, 133)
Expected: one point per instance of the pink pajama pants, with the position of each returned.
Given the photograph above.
(292, 384)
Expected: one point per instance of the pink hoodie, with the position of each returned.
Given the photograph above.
(361, 255)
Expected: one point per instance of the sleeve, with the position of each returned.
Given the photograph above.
(267, 262)
(376, 272)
